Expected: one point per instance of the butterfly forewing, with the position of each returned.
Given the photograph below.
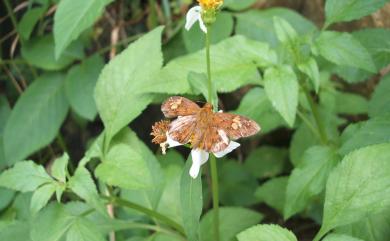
(179, 106)
(235, 126)
(182, 129)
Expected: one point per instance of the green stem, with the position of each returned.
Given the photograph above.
(124, 203)
(209, 83)
(11, 14)
(214, 181)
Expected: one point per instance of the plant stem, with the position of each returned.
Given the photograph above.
(11, 13)
(124, 203)
(214, 181)
(209, 85)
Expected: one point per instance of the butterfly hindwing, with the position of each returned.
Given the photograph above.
(179, 106)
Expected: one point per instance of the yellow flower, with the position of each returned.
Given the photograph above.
(210, 4)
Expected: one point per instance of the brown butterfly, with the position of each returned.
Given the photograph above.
(203, 128)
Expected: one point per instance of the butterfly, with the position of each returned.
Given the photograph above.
(202, 128)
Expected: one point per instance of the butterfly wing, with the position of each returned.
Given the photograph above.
(182, 129)
(179, 106)
(235, 126)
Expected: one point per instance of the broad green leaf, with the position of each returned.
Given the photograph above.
(5, 112)
(237, 185)
(124, 167)
(343, 102)
(194, 39)
(266, 232)
(347, 10)
(83, 185)
(266, 161)
(119, 91)
(234, 64)
(374, 131)
(6, 196)
(72, 18)
(273, 193)
(284, 31)
(25, 176)
(39, 52)
(344, 49)
(228, 225)
(258, 25)
(36, 118)
(310, 68)
(28, 21)
(60, 168)
(281, 86)
(352, 75)
(172, 157)
(191, 201)
(199, 85)
(79, 85)
(359, 186)
(238, 5)
(41, 196)
(302, 139)
(308, 179)
(379, 104)
(84, 230)
(257, 106)
(17, 231)
(340, 237)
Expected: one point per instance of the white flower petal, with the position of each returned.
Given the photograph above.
(199, 157)
(193, 15)
(171, 142)
(202, 26)
(232, 145)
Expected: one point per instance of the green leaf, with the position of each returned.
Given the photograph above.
(84, 230)
(125, 168)
(273, 193)
(310, 68)
(238, 5)
(41, 196)
(347, 10)
(344, 49)
(340, 237)
(17, 231)
(343, 102)
(119, 91)
(257, 106)
(359, 186)
(302, 139)
(72, 18)
(266, 161)
(308, 179)
(199, 84)
(83, 185)
(6, 196)
(194, 39)
(79, 86)
(258, 25)
(284, 31)
(371, 132)
(5, 112)
(36, 118)
(266, 232)
(281, 86)
(29, 20)
(60, 168)
(379, 104)
(39, 52)
(25, 176)
(191, 201)
(235, 63)
(228, 225)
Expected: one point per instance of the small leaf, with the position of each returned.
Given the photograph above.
(359, 186)
(72, 18)
(199, 85)
(41, 196)
(266, 232)
(191, 202)
(379, 104)
(273, 193)
(25, 176)
(344, 49)
(6, 196)
(310, 68)
(29, 20)
(347, 10)
(340, 237)
(36, 118)
(284, 31)
(228, 225)
(282, 90)
(60, 168)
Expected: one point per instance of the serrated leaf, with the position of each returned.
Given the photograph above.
(273, 193)
(308, 179)
(359, 186)
(119, 91)
(347, 10)
(60, 168)
(340, 237)
(266, 232)
(191, 201)
(17, 231)
(310, 68)
(36, 118)
(79, 86)
(25, 176)
(344, 49)
(302, 139)
(281, 86)
(379, 104)
(84, 230)
(72, 18)
(284, 31)
(228, 225)
(41, 196)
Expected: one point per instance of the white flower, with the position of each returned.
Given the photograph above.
(193, 15)
(199, 156)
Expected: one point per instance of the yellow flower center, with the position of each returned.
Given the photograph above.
(210, 4)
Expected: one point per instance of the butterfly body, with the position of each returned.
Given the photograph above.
(203, 128)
